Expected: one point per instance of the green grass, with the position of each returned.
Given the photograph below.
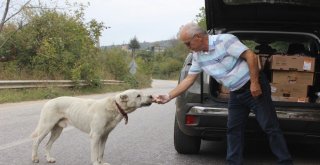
(18, 95)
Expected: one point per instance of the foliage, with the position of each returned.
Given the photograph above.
(17, 95)
(131, 80)
(7, 47)
(55, 45)
(145, 63)
(201, 18)
(169, 63)
(116, 61)
(134, 45)
(95, 30)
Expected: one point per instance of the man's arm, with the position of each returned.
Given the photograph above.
(178, 90)
(252, 61)
(183, 85)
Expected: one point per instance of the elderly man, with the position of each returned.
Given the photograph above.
(231, 63)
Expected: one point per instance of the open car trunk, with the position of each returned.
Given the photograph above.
(289, 15)
(282, 32)
(290, 61)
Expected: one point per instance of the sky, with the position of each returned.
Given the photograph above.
(148, 20)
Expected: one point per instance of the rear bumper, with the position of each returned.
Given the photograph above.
(297, 125)
(306, 115)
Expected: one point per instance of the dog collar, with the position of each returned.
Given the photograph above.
(125, 115)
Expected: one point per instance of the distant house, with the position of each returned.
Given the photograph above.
(125, 47)
(159, 49)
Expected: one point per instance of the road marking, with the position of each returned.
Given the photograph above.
(27, 140)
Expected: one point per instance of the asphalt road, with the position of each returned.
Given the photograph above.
(147, 139)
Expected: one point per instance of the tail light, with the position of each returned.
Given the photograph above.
(191, 120)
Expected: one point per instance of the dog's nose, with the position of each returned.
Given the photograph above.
(153, 99)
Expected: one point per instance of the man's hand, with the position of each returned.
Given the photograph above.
(255, 90)
(162, 99)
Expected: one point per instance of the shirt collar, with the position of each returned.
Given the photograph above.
(211, 41)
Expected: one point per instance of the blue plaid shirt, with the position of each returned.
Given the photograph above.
(223, 61)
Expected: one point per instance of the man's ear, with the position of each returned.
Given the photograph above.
(124, 98)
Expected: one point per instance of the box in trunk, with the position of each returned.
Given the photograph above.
(289, 90)
(296, 63)
(292, 77)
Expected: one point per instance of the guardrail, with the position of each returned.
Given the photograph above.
(16, 84)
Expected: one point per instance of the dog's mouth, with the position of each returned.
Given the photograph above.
(149, 102)
(146, 104)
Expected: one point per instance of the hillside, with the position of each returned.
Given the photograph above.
(147, 45)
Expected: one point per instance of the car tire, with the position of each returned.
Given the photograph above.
(185, 144)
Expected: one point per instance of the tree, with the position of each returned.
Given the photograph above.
(8, 51)
(95, 30)
(16, 15)
(201, 18)
(6, 17)
(56, 45)
(134, 45)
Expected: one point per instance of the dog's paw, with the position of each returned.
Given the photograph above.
(35, 160)
(51, 160)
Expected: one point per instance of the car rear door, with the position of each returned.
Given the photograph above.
(289, 15)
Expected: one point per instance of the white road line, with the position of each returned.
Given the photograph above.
(27, 140)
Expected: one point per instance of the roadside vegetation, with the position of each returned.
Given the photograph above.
(47, 43)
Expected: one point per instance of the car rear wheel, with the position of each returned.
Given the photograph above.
(185, 144)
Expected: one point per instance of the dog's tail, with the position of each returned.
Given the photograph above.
(35, 133)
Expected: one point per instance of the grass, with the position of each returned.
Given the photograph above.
(18, 95)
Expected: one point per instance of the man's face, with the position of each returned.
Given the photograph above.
(194, 43)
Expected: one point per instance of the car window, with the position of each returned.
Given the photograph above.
(279, 43)
(277, 47)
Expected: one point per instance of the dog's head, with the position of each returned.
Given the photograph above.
(132, 99)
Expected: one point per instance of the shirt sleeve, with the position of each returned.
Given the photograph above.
(195, 68)
(234, 46)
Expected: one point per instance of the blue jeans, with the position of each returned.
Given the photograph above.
(240, 104)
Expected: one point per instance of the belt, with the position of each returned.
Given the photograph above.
(244, 87)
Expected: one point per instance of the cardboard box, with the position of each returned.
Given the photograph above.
(289, 90)
(290, 99)
(295, 63)
(292, 77)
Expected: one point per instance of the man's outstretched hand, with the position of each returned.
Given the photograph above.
(161, 99)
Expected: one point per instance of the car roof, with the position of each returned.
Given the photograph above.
(288, 15)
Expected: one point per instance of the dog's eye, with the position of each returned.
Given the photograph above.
(139, 96)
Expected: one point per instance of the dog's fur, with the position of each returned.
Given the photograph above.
(95, 117)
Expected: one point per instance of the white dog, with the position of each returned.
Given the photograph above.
(95, 117)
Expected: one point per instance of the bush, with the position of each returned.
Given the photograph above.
(132, 81)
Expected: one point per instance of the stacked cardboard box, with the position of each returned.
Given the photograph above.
(291, 77)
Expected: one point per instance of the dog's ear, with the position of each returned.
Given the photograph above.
(124, 98)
